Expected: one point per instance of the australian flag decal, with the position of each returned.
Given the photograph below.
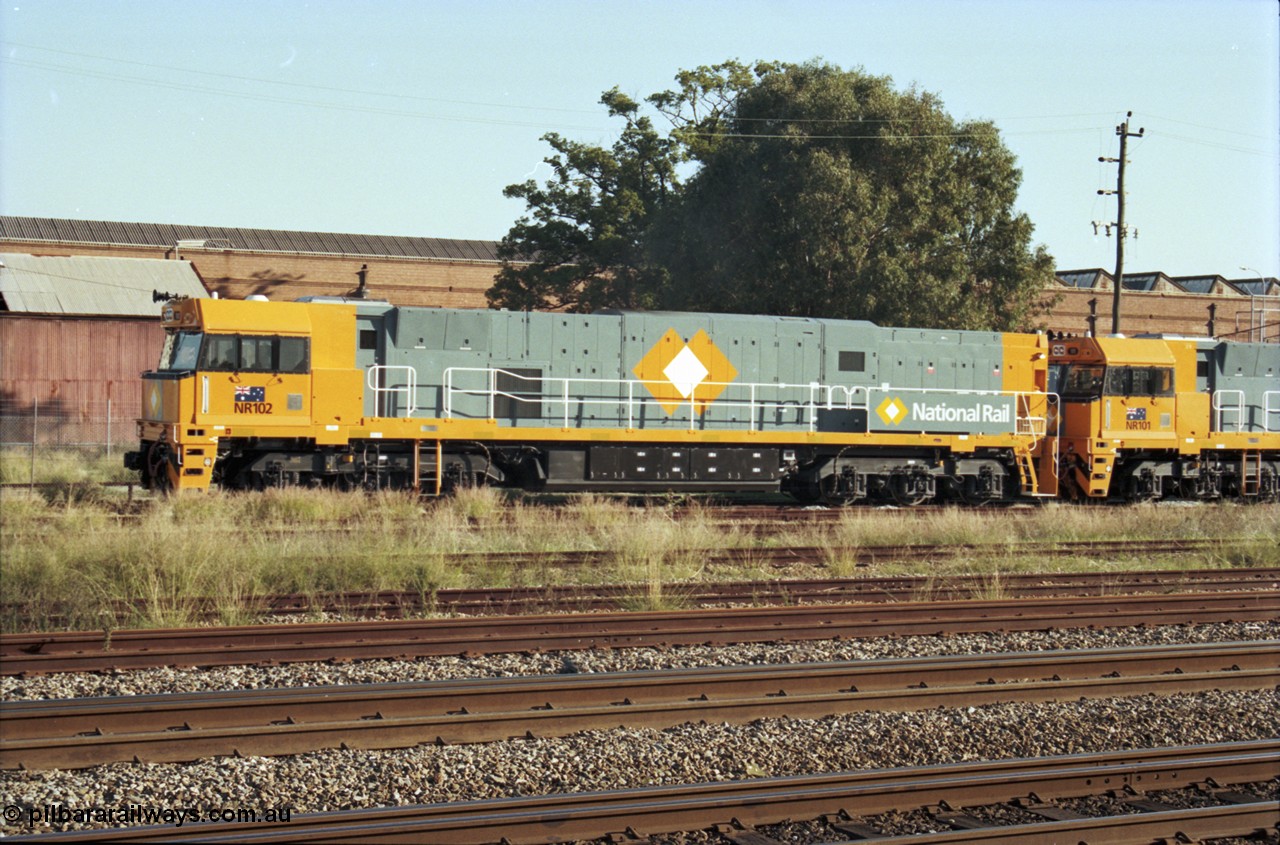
(1131, 414)
(251, 394)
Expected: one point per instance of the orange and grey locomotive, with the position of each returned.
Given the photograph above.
(355, 394)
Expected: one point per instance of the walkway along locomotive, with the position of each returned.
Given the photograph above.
(353, 394)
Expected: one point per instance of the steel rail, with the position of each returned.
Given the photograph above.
(666, 809)
(1189, 825)
(893, 588)
(605, 597)
(819, 555)
(392, 603)
(97, 650)
(234, 708)
(173, 728)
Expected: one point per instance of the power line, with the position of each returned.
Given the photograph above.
(271, 98)
(1214, 128)
(1220, 146)
(376, 110)
(262, 97)
(331, 89)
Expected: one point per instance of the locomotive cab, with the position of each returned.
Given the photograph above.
(1120, 400)
(1138, 422)
(228, 368)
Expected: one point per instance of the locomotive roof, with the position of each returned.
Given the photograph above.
(623, 312)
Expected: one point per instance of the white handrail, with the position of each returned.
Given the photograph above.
(1269, 409)
(804, 398)
(1219, 408)
(409, 389)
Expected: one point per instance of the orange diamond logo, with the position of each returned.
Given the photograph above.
(892, 411)
(676, 372)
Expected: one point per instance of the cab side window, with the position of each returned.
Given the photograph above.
(219, 353)
(1083, 381)
(256, 354)
(1162, 381)
(1139, 381)
(1118, 380)
(294, 357)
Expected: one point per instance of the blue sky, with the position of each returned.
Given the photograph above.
(409, 118)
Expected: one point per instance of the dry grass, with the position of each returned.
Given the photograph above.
(71, 559)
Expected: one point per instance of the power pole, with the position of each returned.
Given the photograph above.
(1121, 231)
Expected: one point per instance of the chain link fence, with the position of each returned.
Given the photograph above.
(51, 443)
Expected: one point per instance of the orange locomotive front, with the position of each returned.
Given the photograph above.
(1153, 417)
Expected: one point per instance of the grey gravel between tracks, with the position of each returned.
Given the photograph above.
(345, 779)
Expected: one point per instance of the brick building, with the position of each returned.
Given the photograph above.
(237, 262)
(1234, 309)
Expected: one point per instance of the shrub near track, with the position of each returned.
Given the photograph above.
(70, 562)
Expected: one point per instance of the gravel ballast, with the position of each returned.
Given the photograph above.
(691, 753)
(151, 681)
(344, 779)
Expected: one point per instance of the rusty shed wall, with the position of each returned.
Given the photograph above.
(73, 365)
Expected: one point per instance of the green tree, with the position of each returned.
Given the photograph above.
(827, 193)
(817, 192)
(579, 247)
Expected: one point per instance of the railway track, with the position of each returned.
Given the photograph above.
(781, 557)
(86, 651)
(598, 597)
(76, 733)
(845, 801)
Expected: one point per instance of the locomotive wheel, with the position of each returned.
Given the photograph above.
(158, 467)
(832, 495)
(904, 493)
(971, 495)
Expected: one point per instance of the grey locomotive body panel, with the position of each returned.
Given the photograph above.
(590, 370)
(1245, 379)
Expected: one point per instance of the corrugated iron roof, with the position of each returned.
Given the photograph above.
(92, 286)
(166, 235)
